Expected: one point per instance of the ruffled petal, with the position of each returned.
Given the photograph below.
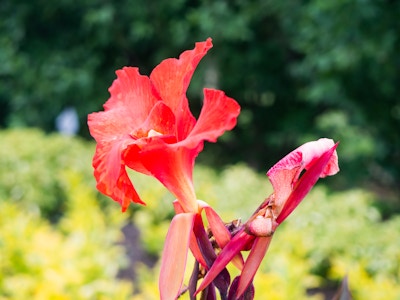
(111, 176)
(129, 106)
(131, 93)
(218, 114)
(171, 79)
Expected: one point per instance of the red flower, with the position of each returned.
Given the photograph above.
(147, 126)
(319, 159)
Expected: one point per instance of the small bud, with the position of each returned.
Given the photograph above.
(260, 227)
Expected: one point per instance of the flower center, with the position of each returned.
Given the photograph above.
(153, 132)
(142, 137)
(140, 133)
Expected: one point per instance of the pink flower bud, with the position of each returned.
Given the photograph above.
(260, 227)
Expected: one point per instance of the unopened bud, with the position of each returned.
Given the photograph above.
(260, 226)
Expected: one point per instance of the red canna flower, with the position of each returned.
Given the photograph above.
(319, 159)
(147, 126)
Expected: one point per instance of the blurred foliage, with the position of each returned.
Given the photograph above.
(77, 259)
(299, 69)
(60, 240)
(32, 168)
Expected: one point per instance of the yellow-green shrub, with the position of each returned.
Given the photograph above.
(78, 259)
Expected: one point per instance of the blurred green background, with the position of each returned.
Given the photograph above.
(299, 69)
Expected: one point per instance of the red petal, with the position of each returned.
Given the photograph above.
(312, 151)
(174, 256)
(203, 241)
(171, 79)
(218, 114)
(218, 228)
(131, 94)
(112, 179)
(173, 167)
(220, 232)
(160, 119)
(193, 245)
(282, 182)
(177, 207)
(237, 244)
(109, 169)
(306, 182)
(304, 157)
(129, 105)
(172, 164)
(253, 261)
(284, 174)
